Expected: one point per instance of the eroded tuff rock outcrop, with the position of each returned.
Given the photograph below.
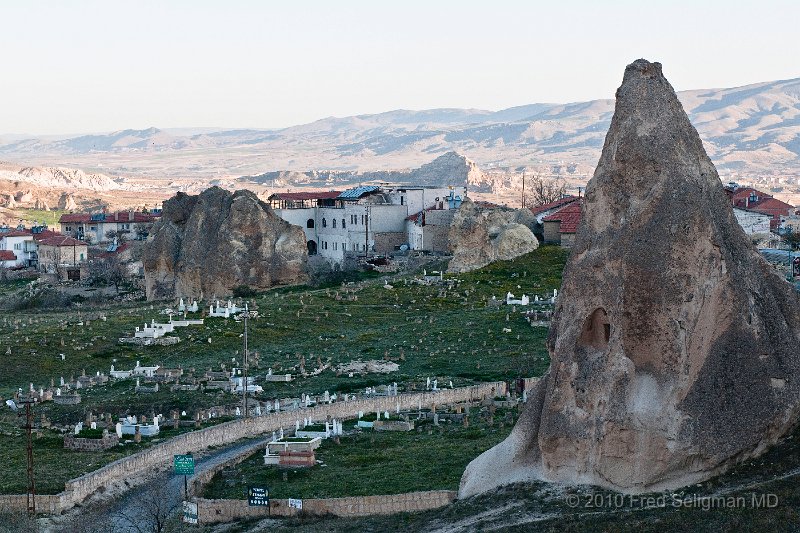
(673, 345)
(208, 244)
(479, 236)
(67, 202)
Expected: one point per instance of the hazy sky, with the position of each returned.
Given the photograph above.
(86, 66)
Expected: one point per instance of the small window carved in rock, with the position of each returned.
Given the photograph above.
(596, 330)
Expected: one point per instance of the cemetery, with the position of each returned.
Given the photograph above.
(367, 341)
(368, 462)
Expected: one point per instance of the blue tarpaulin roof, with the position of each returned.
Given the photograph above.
(357, 192)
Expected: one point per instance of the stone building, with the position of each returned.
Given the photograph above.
(560, 228)
(97, 227)
(372, 218)
(64, 256)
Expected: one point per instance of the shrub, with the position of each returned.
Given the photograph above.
(244, 291)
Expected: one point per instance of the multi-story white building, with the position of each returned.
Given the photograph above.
(369, 218)
(19, 243)
(102, 227)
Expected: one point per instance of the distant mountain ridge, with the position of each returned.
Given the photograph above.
(751, 129)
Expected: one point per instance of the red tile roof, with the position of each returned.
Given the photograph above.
(15, 233)
(762, 202)
(74, 217)
(773, 207)
(7, 255)
(45, 234)
(305, 195)
(552, 205)
(60, 240)
(569, 217)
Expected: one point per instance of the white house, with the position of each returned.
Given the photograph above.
(363, 218)
(752, 222)
(20, 245)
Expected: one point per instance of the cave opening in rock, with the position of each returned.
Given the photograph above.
(596, 330)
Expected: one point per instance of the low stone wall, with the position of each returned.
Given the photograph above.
(71, 442)
(160, 455)
(45, 503)
(215, 511)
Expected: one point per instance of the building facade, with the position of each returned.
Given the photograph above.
(365, 219)
(63, 256)
(102, 227)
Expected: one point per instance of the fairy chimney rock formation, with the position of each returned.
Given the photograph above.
(479, 236)
(673, 345)
(206, 245)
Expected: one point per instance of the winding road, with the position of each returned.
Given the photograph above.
(136, 510)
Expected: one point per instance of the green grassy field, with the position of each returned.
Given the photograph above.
(429, 331)
(53, 465)
(453, 336)
(40, 216)
(371, 462)
(543, 507)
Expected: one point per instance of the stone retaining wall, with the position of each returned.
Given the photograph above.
(160, 455)
(45, 503)
(215, 511)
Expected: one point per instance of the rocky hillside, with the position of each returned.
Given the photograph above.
(450, 168)
(58, 178)
(749, 130)
(204, 246)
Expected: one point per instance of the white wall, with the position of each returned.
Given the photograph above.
(752, 222)
(16, 245)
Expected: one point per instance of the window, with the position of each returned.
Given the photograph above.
(18, 246)
(402, 200)
(310, 223)
(81, 257)
(333, 223)
(343, 226)
(324, 223)
(344, 246)
(336, 244)
(324, 245)
(354, 219)
(93, 228)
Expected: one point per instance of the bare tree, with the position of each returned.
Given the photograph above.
(109, 270)
(153, 511)
(542, 191)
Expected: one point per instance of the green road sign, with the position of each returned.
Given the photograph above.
(184, 464)
(258, 496)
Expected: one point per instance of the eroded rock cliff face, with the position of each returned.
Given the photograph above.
(208, 244)
(479, 236)
(674, 346)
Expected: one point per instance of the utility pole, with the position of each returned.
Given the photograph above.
(366, 231)
(29, 446)
(244, 316)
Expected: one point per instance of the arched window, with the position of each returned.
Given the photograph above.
(324, 223)
(334, 223)
(343, 226)
(310, 223)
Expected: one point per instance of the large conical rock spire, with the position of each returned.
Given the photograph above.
(674, 346)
